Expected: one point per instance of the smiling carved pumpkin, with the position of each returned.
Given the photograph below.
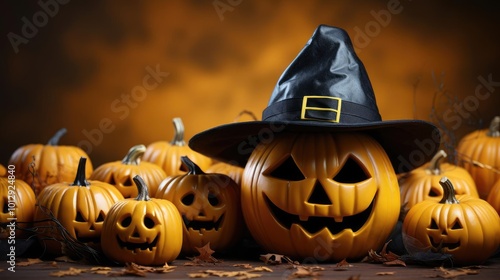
(210, 207)
(143, 230)
(320, 195)
(466, 227)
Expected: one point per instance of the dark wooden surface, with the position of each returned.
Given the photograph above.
(181, 268)
(361, 270)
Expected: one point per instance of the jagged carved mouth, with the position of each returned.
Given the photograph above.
(134, 246)
(96, 238)
(206, 225)
(438, 246)
(314, 224)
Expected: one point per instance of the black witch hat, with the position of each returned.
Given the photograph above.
(325, 89)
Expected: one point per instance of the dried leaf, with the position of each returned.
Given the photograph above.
(198, 275)
(130, 269)
(385, 273)
(342, 265)
(29, 262)
(395, 263)
(70, 272)
(453, 273)
(101, 270)
(165, 268)
(262, 268)
(243, 265)
(384, 257)
(206, 254)
(354, 277)
(303, 272)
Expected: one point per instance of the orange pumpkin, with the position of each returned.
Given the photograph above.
(234, 172)
(326, 196)
(121, 173)
(479, 153)
(142, 230)
(167, 154)
(3, 171)
(80, 207)
(465, 227)
(17, 200)
(494, 196)
(42, 165)
(210, 207)
(423, 183)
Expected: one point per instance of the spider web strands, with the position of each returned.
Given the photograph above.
(72, 247)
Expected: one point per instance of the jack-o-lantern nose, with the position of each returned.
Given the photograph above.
(318, 195)
(135, 233)
(201, 213)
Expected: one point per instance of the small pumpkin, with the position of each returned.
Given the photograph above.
(143, 230)
(327, 196)
(465, 227)
(494, 196)
(3, 171)
(17, 201)
(210, 207)
(42, 165)
(479, 153)
(121, 173)
(80, 207)
(167, 154)
(423, 183)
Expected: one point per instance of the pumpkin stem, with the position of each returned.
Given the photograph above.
(134, 155)
(80, 179)
(448, 192)
(192, 168)
(142, 188)
(494, 130)
(54, 141)
(435, 163)
(178, 133)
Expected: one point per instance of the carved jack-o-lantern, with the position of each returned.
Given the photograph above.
(466, 227)
(210, 207)
(17, 204)
(121, 173)
(80, 207)
(326, 196)
(143, 230)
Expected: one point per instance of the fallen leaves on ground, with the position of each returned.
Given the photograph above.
(141, 270)
(342, 265)
(453, 273)
(29, 262)
(69, 272)
(204, 256)
(306, 271)
(238, 274)
(384, 257)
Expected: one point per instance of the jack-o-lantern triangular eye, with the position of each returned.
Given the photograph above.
(286, 170)
(456, 225)
(128, 182)
(434, 192)
(433, 225)
(351, 172)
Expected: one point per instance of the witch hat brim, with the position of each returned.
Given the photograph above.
(325, 89)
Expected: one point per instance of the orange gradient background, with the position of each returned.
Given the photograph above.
(223, 57)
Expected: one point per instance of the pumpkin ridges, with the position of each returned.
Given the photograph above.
(162, 211)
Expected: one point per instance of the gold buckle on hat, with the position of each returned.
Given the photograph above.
(305, 108)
